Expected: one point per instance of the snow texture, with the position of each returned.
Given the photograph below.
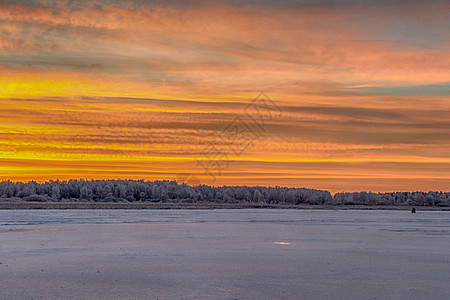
(224, 254)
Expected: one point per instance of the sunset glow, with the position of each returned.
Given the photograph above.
(358, 93)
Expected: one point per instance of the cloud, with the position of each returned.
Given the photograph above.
(431, 89)
(212, 43)
(115, 83)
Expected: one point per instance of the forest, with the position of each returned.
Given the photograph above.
(172, 192)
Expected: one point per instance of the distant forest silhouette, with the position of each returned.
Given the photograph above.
(173, 192)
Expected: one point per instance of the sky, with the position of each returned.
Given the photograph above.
(336, 95)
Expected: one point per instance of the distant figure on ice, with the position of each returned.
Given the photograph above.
(413, 210)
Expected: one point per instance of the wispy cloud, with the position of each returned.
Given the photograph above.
(137, 89)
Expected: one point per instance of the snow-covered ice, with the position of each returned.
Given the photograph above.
(224, 254)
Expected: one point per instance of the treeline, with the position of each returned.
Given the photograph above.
(171, 191)
(156, 191)
(397, 198)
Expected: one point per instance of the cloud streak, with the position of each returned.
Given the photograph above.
(361, 85)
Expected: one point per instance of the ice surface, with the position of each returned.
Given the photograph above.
(224, 254)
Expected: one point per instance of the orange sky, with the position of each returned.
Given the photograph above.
(356, 93)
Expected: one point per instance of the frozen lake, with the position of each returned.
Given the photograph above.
(224, 254)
